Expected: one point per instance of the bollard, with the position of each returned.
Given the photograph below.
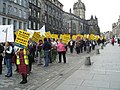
(88, 61)
(97, 51)
(102, 47)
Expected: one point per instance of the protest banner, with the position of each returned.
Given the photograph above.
(22, 39)
(36, 37)
(6, 33)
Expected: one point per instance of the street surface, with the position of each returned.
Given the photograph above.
(103, 74)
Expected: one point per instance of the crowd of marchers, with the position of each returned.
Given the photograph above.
(46, 52)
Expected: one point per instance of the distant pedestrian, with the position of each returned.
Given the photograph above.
(113, 41)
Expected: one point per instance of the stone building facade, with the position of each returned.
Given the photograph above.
(116, 28)
(93, 26)
(76, 22)
(53, 16)
(14, 12)
(35, 14)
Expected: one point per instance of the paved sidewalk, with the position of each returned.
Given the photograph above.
(103, 74)
(42, 77)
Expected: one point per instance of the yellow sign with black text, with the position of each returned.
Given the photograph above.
(36, 37)
(22, 38)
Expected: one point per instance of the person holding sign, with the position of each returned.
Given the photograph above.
(23, 62)
(8, 58)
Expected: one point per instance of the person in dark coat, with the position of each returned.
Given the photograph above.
(1, 57)
(46, 47)
(30, 56)
(77, 47)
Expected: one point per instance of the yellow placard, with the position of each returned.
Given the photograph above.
(22, 38)
(36, 37)
(48, 34)
(74, 37)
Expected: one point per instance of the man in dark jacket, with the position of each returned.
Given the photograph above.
(46, 47)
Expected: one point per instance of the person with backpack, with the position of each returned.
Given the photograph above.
(8, 58)
(1, 57)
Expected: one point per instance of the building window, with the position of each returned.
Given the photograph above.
(4, 21)
(4, 8)
(25, 15)
(24, 3)
(20, 13)
(34, 13)
(50, 10)
(20, 25)
(39, 4)
(20, 2)
(15, 1)
(53, 12)
(45, 19)
(34, 25)
(30, 1)
(38, 14)
(25, 26)
(29, 24)
(15, 10)
(9, 21)
(30, 11)
(9, 9)
(34, 2)
(15, 25)
(38, 26)
(46, 7)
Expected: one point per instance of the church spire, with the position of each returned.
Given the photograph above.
(79, 1)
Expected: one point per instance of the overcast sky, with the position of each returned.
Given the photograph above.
(107, 11)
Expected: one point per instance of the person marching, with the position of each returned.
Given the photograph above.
(61, 49)
(8, 58)
(39, 52)
(54, 50)
(71, 44)
(23, 62)
(46, 47)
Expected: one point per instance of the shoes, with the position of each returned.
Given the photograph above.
(45, 65)
(8, 75)
(23, 82)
